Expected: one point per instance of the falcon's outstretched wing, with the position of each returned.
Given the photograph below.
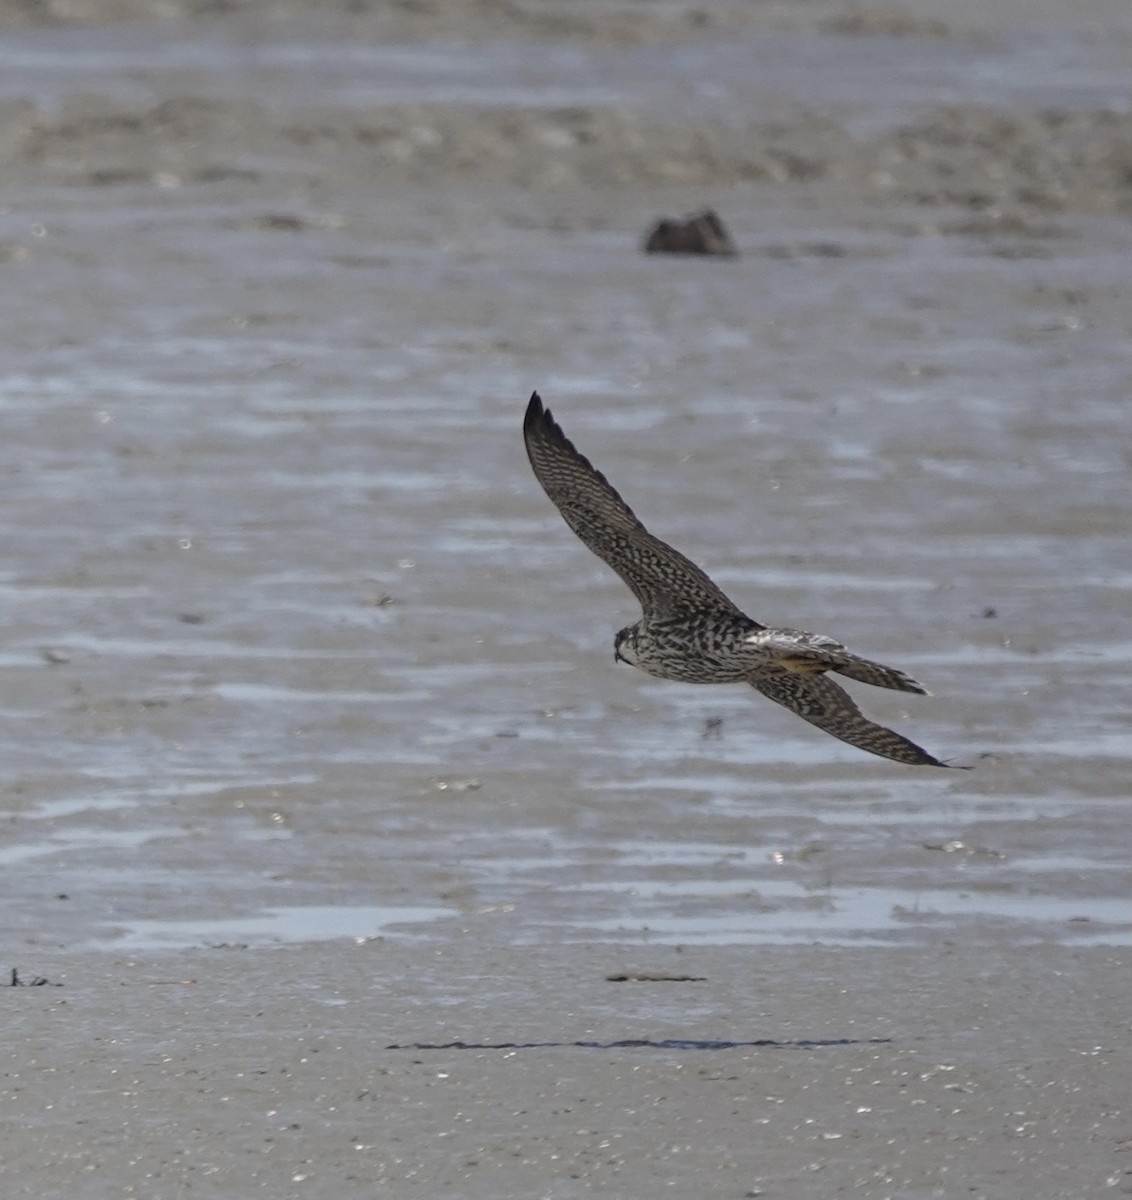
(661, 578)
(817, 699)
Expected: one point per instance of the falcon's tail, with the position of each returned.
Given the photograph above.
(866, 671)
(812, 653)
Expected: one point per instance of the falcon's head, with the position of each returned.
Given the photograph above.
(625, 645)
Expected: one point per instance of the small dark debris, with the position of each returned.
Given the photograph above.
(713, 729)
(54, 657)
(653, 977)
(990, 613)
(699, 233)
(35, 981)
(191, 618)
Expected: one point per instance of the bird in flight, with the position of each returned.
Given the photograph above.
(690, 631)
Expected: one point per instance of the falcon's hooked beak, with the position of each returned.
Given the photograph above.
(617, 655)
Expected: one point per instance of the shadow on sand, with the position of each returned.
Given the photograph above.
(646, 1043)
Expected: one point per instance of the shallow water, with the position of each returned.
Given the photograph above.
(296, 649)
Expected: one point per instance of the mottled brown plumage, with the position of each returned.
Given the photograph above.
(690, 630)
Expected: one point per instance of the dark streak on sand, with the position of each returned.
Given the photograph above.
(648, 1043)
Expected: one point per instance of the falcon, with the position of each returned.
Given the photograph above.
(689, 630)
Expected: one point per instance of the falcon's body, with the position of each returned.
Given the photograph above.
(690, 631)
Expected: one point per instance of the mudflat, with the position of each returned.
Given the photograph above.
(340, 857)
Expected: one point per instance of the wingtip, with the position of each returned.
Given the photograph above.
(929, 760)
(540, 420)
(535, 411)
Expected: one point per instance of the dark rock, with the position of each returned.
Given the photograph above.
(700, 233)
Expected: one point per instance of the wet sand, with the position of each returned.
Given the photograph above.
(329, 817)
(479, 1070)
